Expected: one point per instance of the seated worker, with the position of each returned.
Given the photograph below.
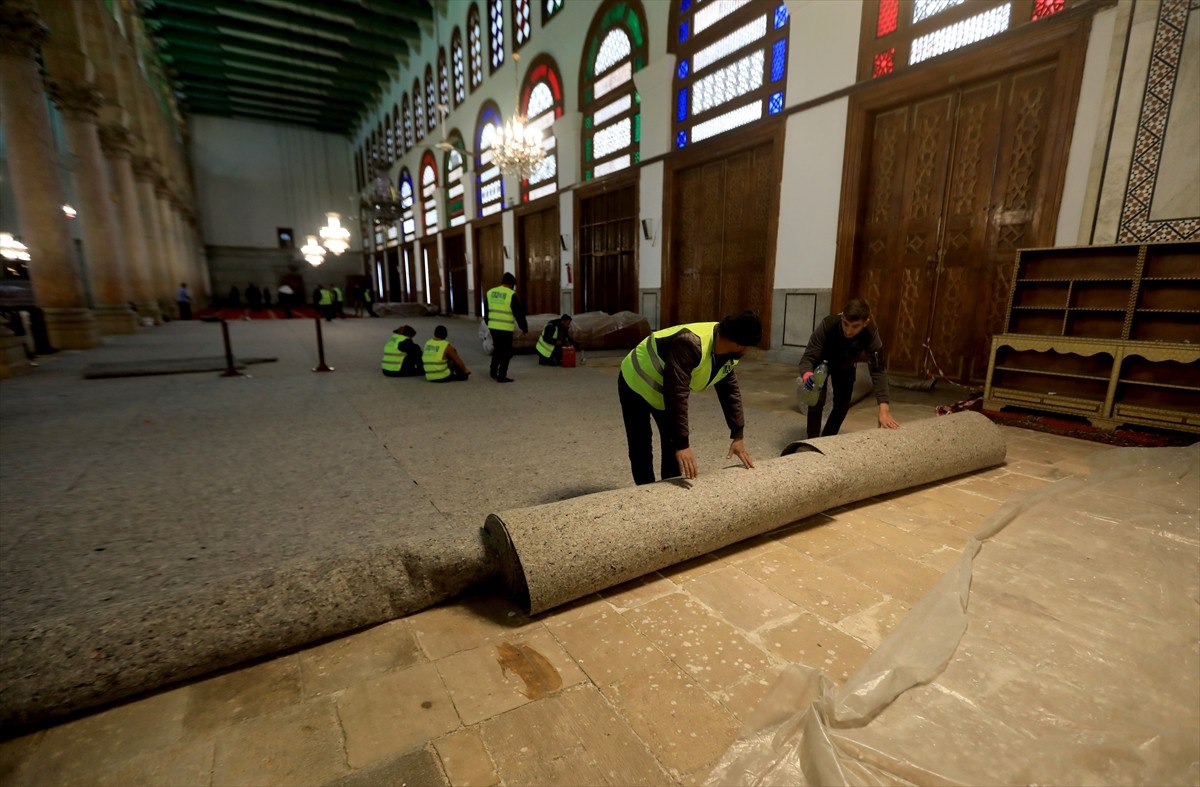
(401, 355)
(550, 343)
(442, 364)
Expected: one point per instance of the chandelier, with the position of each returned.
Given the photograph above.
(335, 237)
(518, 149)
(314, 253)
(13, 249)
(383, 203)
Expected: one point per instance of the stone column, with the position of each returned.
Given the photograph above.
(106, 264)
(164, 282)
(166, 229)
(117, 144)
(33, 167)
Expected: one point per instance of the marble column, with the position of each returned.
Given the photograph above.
(166, 227)
(33, 167)
(117, 144)
(163, 279)
(79, 103)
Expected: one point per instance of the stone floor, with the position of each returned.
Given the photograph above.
(647, 683)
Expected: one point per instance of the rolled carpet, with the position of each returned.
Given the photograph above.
(557, 552)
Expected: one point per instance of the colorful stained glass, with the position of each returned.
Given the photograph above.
(614, 53)
(727, 45)
(781, 15)
(431, 110)
(735, 79)
(775, 104)
(613, 138)
(889, 16)
(681, 139)
(407, 220)
(443, 79)
(475, 47)
(681, 105)
(550, 8)
(459, 69)
(1043, 8)
(884, 62)
(521, 28)
(429, 194)
(683, 32)
(418, 110)
(778, 60)
(408, 123)
(496, 30)
(613, 50)
(682, 69)
(961, 34)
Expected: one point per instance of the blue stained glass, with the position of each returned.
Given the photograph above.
(681, 139)
(683, 69)
(683, 32)
(681, 106)
(684, 5)
(775, 103)
(781, 16)
(778, 59)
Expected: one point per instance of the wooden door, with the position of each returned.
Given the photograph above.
(456, 274)
(489, 260)
(430, 277)
(537, 261)
(391, 257)
(722, 234)
(607, 248)
(412, 283)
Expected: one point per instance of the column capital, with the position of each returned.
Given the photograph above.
(76, 100)
(144, 168)
(161, 187)
(22, 31)
(116, 141)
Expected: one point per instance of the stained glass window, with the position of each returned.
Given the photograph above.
(731, 65)
(489, 185)
(418, 109)
(454, 165)
(474, 47)
(407, 221)
(542, 104)
(614, 49)
(409, 141)
(443, 79)
(431, 110)
(458, 67)
(521, 25)
(429, 193)
(495, 33)
(549, 9)
(389, 139)
(1046, 8)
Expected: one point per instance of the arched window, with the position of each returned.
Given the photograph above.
(408, 124)
(549, 9)
(429, 192)
(408, 224)
(397, 133)
(418, 110)
(443, 79)
(431, 111)
(489, 185)
(380, 147)
(474, 47)
(521, 26)
(459, 67)
(389, 140)
(614, 50)
(542, 104)
(495, 34)
(730, 67)
(454, 165)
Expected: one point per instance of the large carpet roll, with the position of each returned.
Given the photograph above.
(557, 552)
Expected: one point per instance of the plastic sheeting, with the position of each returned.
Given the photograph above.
(555, 553)
(1062, 649)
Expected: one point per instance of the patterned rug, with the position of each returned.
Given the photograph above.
(1125, 437)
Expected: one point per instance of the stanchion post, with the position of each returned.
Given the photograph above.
(321, 366)
(230, 368)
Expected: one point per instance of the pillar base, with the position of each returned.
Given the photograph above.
(13, 360)
(72, 329)
(115, 320)
(149, 309)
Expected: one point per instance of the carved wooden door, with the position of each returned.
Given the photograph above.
(489, 256)
(607, 248)
(537, 265)
(430, 275)
(456, 274)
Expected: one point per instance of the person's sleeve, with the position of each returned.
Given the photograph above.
(546, 333)
(878, 367)
(681, 355)
(729, 394)
(518, 309)
(814, 350)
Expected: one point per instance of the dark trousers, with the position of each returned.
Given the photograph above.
(185, 310)
(842, 382)
(555, 358)
(455, 377)
(637, 413)
(502, 353)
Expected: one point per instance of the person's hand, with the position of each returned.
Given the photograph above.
(738, 448)
(687, 462)
(885, 418)
(807, 379)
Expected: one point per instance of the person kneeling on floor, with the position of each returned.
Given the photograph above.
(401, 355)
(441, 360)
(550, 343)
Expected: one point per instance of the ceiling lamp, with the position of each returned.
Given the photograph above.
(383, 203)
(335, 237)
(518, 150)
(313, 252)
(13, 249)
(69, 212)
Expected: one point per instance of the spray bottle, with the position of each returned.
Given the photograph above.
(818, 380)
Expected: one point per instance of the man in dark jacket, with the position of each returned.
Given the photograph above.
(660, 373)
(504, 314)
(401, 355)
(555, 336)
(841, 340)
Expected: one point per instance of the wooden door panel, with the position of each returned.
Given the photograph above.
(539, 261)
(489, 251)
(748, 198)
(429, 272)
(456, 274)
(699, 195)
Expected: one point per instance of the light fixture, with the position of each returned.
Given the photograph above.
(69, 211)
(313, 252)
(383, 203)
(335, 237)
(13, 249)
(518, 149)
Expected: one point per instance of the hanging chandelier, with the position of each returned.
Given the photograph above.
(383, 203)
(334, 236)
(518, 149)
(13, 249)
(314, 253)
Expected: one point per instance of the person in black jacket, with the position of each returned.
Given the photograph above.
(840, 340)
(555, 336)
(401, 355)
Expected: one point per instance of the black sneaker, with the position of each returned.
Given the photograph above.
(504, 379)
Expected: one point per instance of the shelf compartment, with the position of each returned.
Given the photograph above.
(1048, 388)
(1157, 398)
(1135, 369)
(1095, 324)
(1102, 262)
(1169, 294)
(1045, 402)
(1178, 327)
(1176, 259)
(1043, 323)
(1098, 366)
(1100, 295)
(1165, 419)
(1042, 294)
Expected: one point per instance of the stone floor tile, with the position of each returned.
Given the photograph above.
(811, 641)
(941, 511)
(743, 697)
(607, 647)
(690, 569)
(954, 497)
(394, 714)
(711, 651)
(871, 626)
(582, 740)
(586, 607)
(358, 658)
(1023, 481)
(14, 752)
(685, 728)
(467, 622)
(895, 575)
(242, 694)
(750, 549)
(942, 559)
(816, 586)
(298, 745)
(500, 676)
(420, 767)
(986, 487)
(189, 763)
(876, 531)
(743, 602)
(817, 537)
(466, 760)
(638, 591)
(1046, 470)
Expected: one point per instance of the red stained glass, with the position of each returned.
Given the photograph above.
(1046, 8)
(889, 12)
(884, 63)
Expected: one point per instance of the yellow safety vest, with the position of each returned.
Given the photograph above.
(499, 309)
(643, 368)
(434, 358)
(545, 348)
(393, 358)
(326, 297)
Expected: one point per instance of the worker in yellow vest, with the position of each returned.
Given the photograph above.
(657, 377)
(441, 361)
(401, 355)
(325, 302)
(552, 339)
(504, 313)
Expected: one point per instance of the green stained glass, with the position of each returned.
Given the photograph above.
(587, 174)
(639, 63)
(637, 97)
(637, 128)
(637, 156)
(587, 122)
(587, 149)
(587, 96)
(635, 28)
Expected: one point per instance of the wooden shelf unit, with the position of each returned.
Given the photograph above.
(1111, 333)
